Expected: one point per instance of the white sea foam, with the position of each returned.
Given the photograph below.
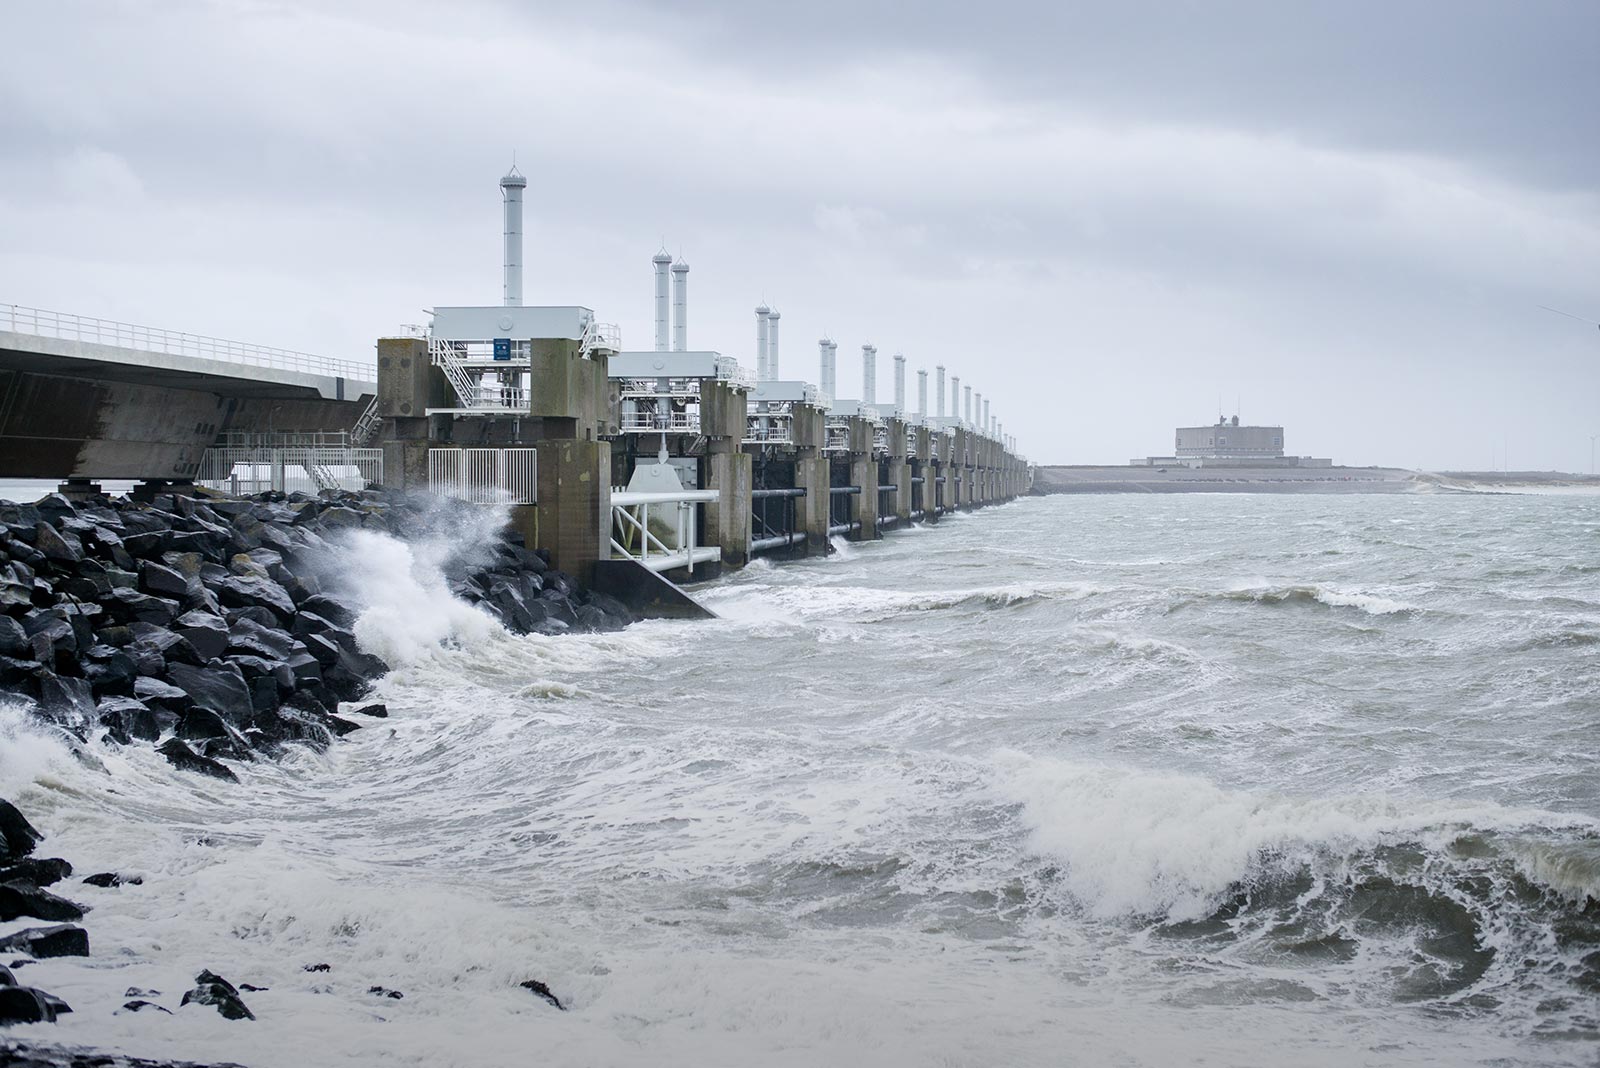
(1159, 844)
(407, 611)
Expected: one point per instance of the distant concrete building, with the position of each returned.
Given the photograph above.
(1226, 443)
(1226, 438)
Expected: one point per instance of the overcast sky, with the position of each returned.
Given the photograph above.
(1338, 217)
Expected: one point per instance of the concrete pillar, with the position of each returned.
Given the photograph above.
(901, 472)
(728, 520)
(811, 473)
(574, 517)
(864, 473)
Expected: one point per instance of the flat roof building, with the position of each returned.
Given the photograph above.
(1228, 443)
(1226, 438)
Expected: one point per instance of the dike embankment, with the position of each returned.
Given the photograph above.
(216, 630)
(1049, 480)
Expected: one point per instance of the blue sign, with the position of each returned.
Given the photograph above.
(502, 348)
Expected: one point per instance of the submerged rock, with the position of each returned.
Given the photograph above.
(140, 1005)
(212, 989)
(20, 899)
(108, 879)
(542, 991)
(23, 1004)
(18, 837)
(63, 940)
(181, 756)
(35, 870)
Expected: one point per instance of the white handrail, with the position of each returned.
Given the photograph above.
(651, 551)
(43, 323)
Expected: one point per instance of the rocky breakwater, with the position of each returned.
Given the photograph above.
(216, 630)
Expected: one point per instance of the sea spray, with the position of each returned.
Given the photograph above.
(407, 611)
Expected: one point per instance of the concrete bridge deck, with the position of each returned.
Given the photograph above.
(92, 398)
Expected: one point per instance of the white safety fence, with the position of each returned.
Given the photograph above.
(43, 323)
(485, 476)
(659, 529)
(246, 471)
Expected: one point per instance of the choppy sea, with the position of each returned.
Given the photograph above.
(1124, 780)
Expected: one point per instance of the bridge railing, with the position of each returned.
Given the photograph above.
(43, 323)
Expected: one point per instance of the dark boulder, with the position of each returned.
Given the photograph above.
(244, 591)
(253, 667)
(181, 756)
(109, 879)
(349, 672)
(543, 991)
(109, 669)
(14, 641)
(207, 633)
(24, 1005)
(614, 609)
(264, 695)
(211, 989)
(20, 899)
(309, 623)
(126, 606)
(251, 638)
(384, 992)
(60, 547)
(219, 686)
(305, 667)
(18, 837)
(592, 619)
(63, 940)
(147, 544)
(52, 640)
(141, 1005)
(39, 871)
(330, 609)
(128, 718)
(254, 613)
(163, 581)
(376, 709)
(173, 647)
(65, 701)
(156, 690)
(291, 724)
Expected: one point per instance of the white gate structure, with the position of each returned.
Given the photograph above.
(485, 476)
(245, 470)
(632, 536)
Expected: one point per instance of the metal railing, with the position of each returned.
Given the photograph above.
(775, 427)
(635, 421)
(242, 471)
(599, 337)
(469, 364)
(632, 536)
(42, 323)
(728, 370)
(485, 476)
